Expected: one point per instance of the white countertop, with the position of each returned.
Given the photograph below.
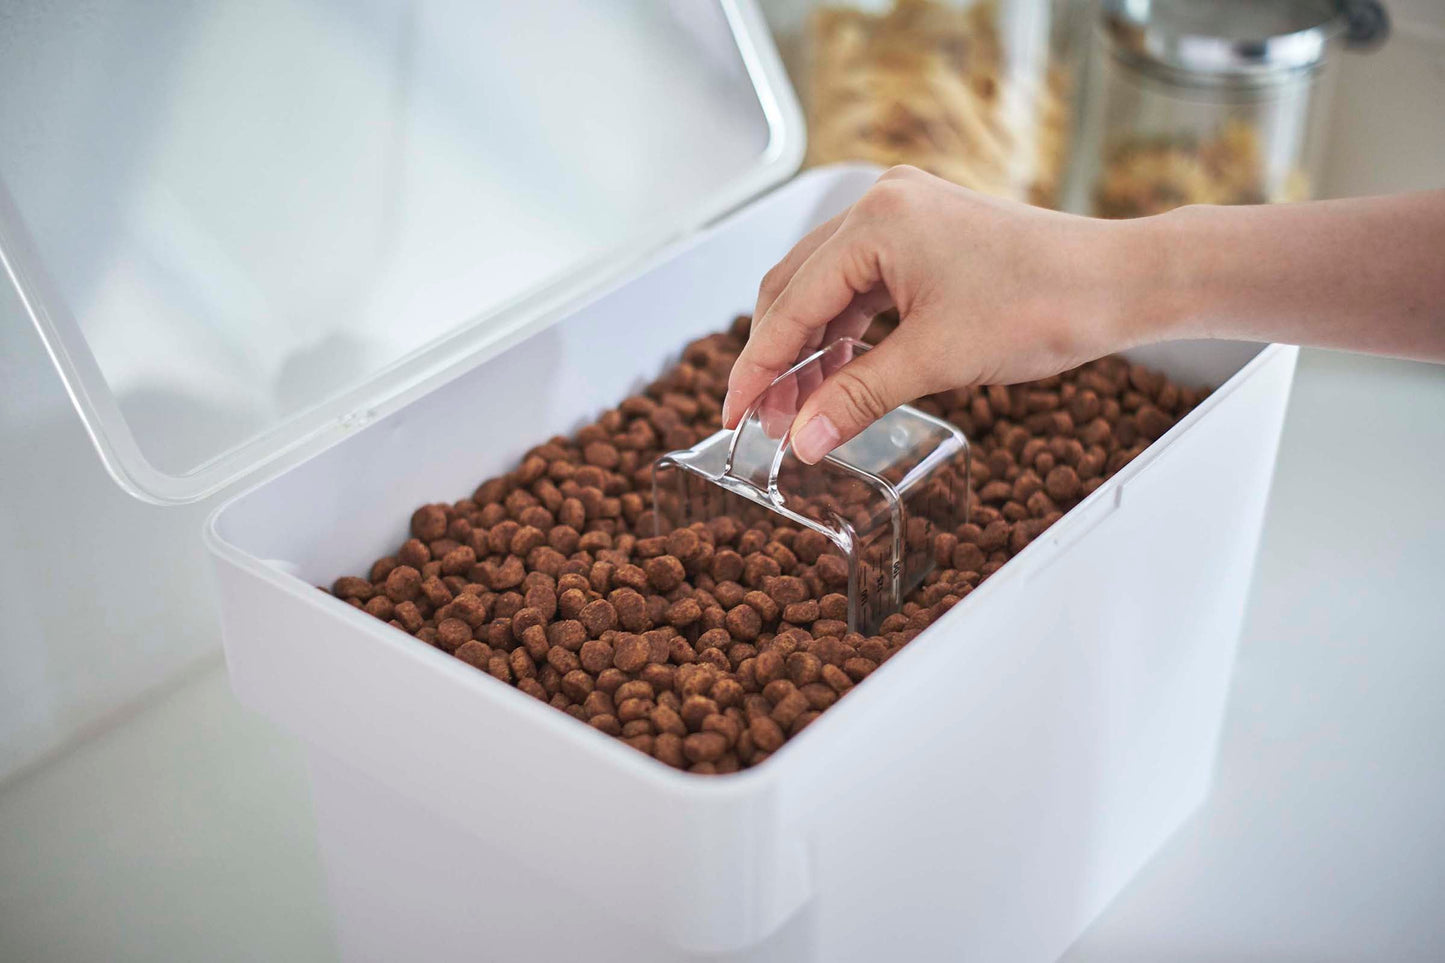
(185, 831)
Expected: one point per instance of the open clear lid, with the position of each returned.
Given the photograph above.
(241, 227)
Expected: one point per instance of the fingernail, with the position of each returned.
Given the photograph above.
(818, 437)
(727, 407)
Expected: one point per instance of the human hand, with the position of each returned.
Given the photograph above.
(988, 291)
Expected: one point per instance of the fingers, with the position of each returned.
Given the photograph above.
(782, 272)
(747, 379)
(825, 286)
(858, 394)
(779, 405)
(850, 324)
(854, 320)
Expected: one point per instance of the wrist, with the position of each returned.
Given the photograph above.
(1148, 259)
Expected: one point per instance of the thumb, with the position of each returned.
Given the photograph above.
(858, 394)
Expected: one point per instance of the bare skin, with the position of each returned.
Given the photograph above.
(994, 292)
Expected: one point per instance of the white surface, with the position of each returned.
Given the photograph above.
(182, 834)
(1388, 130)
(103, 598)
(187, 832)
(1323, 839)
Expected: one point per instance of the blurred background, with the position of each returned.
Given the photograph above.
(144, 815)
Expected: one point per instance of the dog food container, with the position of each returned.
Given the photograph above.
(344, 262)
(978, 91)
(879, 499)
(1211, 101)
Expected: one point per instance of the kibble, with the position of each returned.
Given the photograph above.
(664, 573)
(711, 646)
(631, 653)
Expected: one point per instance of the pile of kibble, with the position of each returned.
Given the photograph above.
(710, 647)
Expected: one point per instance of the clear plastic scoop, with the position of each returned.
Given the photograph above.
(879, 499)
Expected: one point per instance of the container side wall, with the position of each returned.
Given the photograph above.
(1035, 747)
(697, 863)
(405, 884)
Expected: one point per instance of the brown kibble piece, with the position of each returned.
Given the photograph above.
(569, 634)
(762, 603)
(595, 655)
(349, 587)
(474, 653)
(727, 692)
(683, 613)
(429, 522)
(800, 613)
(563, 660)
(833, 606)
(967, 557)
(727, 566)
(631, 653)
(787, 709)
(452, 634)
(665, 719)
(435, 591)
(667, 748)
(695, 708)
(819, 695)
(743, 623)
(382, 567)
(597, 617)
(837, 679)
(704, 746)
(1152, 422)
(768, 667)
(684, 544)
(804, 668)
(606, 723)
(665, 572)
(787, 589)
(766, 734)
(631, 610)
(403, 584)
(1062, 484)
(630, 576)
(833, 570)
(601, 454)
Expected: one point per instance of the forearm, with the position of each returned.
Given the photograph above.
(1365, 274)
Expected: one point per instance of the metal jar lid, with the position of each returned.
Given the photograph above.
(1238, 41)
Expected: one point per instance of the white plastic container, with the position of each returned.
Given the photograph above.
(337, 256)
(983, 796)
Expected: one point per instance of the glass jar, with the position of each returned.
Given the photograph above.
(1210, 101)
(978, 92)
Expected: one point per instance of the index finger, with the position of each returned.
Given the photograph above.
(822, 288)
(781, 273)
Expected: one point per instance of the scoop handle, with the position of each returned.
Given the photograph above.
(763, 436)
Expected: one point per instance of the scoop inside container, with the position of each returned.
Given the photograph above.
(878, 501)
